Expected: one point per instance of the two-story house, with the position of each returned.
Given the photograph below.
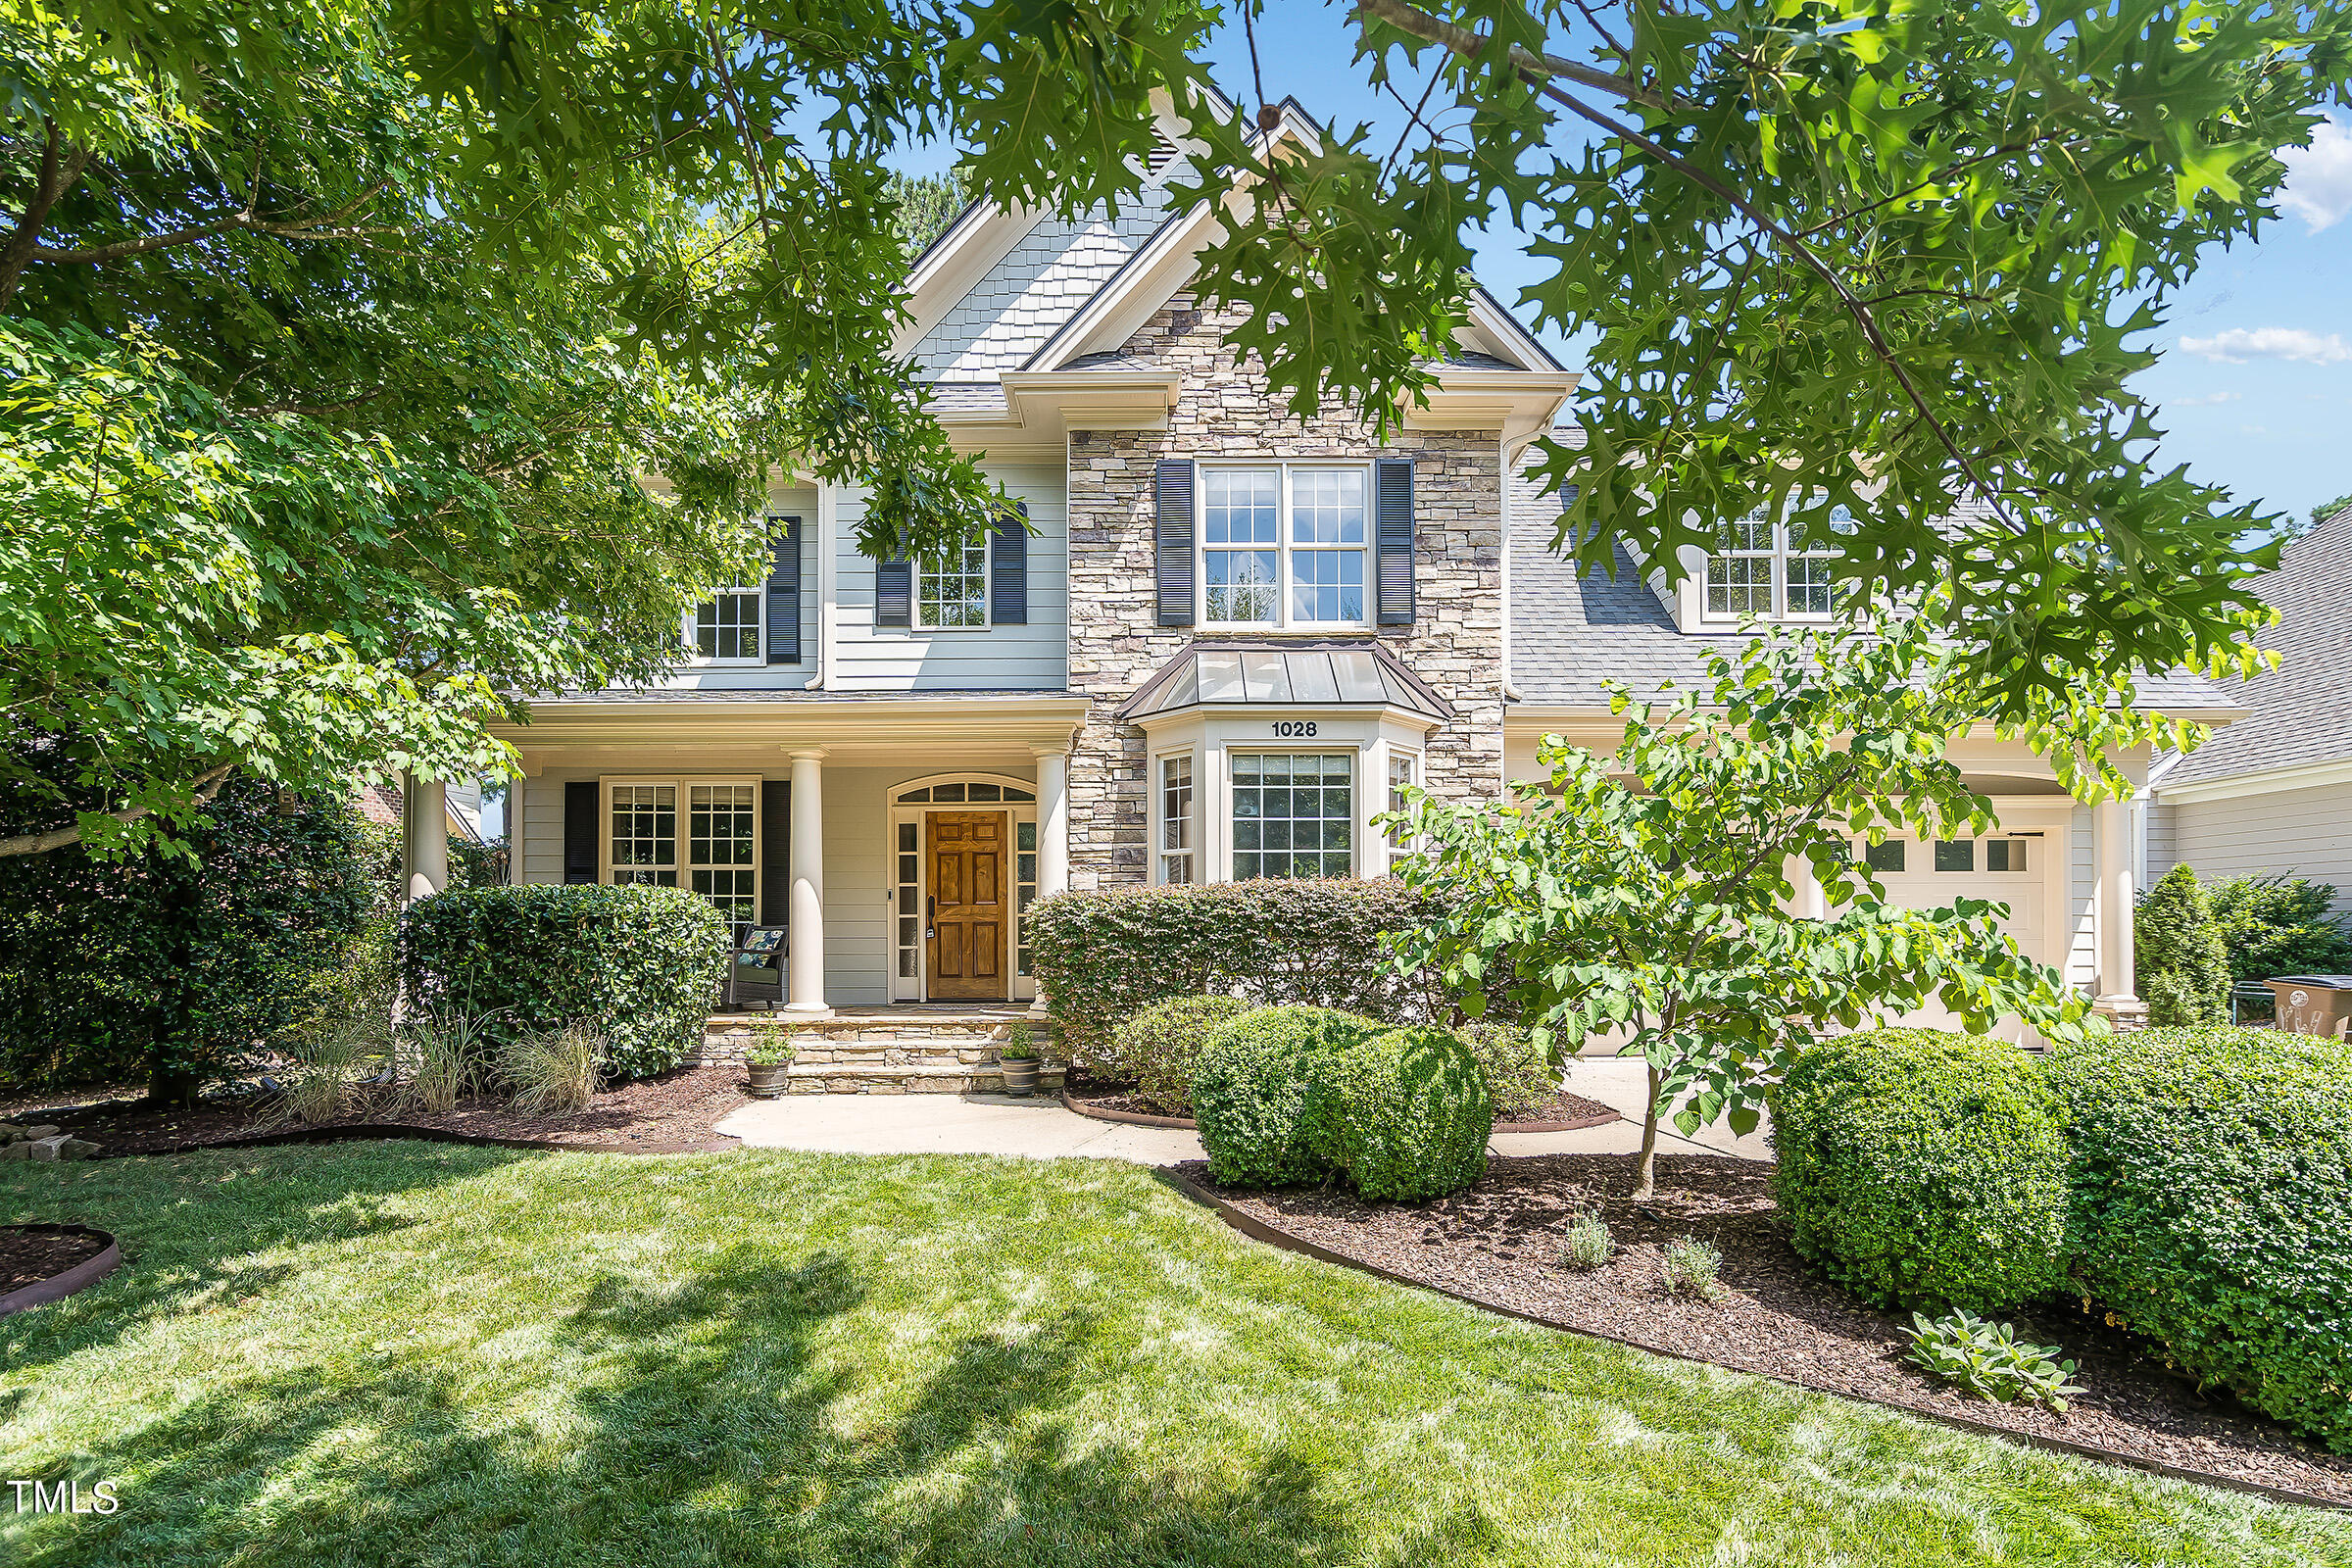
(1226, 641)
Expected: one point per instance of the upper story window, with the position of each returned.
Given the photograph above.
(950, 590)
(1284, 546)
(1768, 572)
(726, 627)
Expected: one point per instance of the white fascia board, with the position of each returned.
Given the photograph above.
(1502, 334)
(2263, 781)
(1519, 403)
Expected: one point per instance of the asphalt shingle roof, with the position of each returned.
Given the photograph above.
(1572, 633)
(2303, 712)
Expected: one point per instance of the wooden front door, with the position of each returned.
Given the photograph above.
(965, 920)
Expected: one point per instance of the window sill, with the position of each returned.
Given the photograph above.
(1253, 628)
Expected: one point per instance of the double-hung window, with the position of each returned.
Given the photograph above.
(720, 841)
(1175, 820)
(1405, 773)
(1293, 814)
(1285, 545)
(1768, 572)
(726, 627)
(951, 589)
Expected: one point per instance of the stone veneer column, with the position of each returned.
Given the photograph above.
(804, 962)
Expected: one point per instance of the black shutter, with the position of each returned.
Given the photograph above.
(1172, 493)
(579, 830)
(784, 594)
(776, 851)
(1008, 569)
(893, 593)
(1392, 478)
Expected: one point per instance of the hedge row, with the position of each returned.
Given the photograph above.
(643, 964)
(1104, 958)
(2196, 1182)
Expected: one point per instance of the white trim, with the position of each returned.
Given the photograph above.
(897, 810)
(916, 625)
(693, 628)
(2264, 782)
(1284, 546)
(681, 833)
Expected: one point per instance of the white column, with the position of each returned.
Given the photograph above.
(2111, 842)
(1809, 904)
(1052, 821)
(424, 836)
(805, 971)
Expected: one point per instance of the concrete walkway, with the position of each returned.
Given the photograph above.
(1040, 1129)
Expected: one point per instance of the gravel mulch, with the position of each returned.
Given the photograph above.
(1497, 1245)
(29, 1256)
(671, 1114)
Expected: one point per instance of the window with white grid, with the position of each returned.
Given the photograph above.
(1404, 772)
(645, 834)
(727, 626)
(950, 590)
(722, 849)
(1175, 820)
(1293, 814)
(1285, 545)
(1769, 572)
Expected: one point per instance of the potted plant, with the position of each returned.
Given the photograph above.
(769, 1060)
(1019, 1060)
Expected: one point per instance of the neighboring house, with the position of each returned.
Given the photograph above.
(1232, 637)
(462, 804)
(2273, 793)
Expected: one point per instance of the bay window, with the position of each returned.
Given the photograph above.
(1284, 546)
(1293, 814)
(1175, 820)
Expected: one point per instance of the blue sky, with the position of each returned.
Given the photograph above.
(2255, 386)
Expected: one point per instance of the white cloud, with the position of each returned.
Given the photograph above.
(2203, 402)
(2319, 177)
(2241, 344)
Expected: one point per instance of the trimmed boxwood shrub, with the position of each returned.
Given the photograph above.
(1921, 1168)
(642, 964)
(1103, 957)
(2211, 1208)
(1404, 1115)
(1159, 1047)
(1253, 1088)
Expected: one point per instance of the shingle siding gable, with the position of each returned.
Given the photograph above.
(1040, 284)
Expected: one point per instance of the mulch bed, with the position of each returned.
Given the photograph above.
(1496, 1244)
(671, 1114)
(28, 1256)
(1558, 1114)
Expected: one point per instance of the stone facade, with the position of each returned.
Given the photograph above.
(1224, 409)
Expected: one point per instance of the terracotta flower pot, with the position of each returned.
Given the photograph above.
(768, 1077)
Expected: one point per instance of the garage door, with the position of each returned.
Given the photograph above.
(1930, 874)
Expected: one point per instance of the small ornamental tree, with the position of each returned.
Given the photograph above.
(2182, 963)
(1651, 892)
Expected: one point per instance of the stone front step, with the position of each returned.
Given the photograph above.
(849, 1078)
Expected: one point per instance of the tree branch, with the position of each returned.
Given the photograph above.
(61, 167)
(321, 228)
(208, 785)
(1462, 41)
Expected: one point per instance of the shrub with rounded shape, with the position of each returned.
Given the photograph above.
(1520, 1074)
(1404, 1115)
(1923, 1168)
(1160, 1046)
(2211, 1208)
(643, 965)
(1253, 1086)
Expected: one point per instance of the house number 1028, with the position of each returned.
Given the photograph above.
(1294, 728)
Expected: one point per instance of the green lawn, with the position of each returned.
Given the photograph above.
(415, 1353)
